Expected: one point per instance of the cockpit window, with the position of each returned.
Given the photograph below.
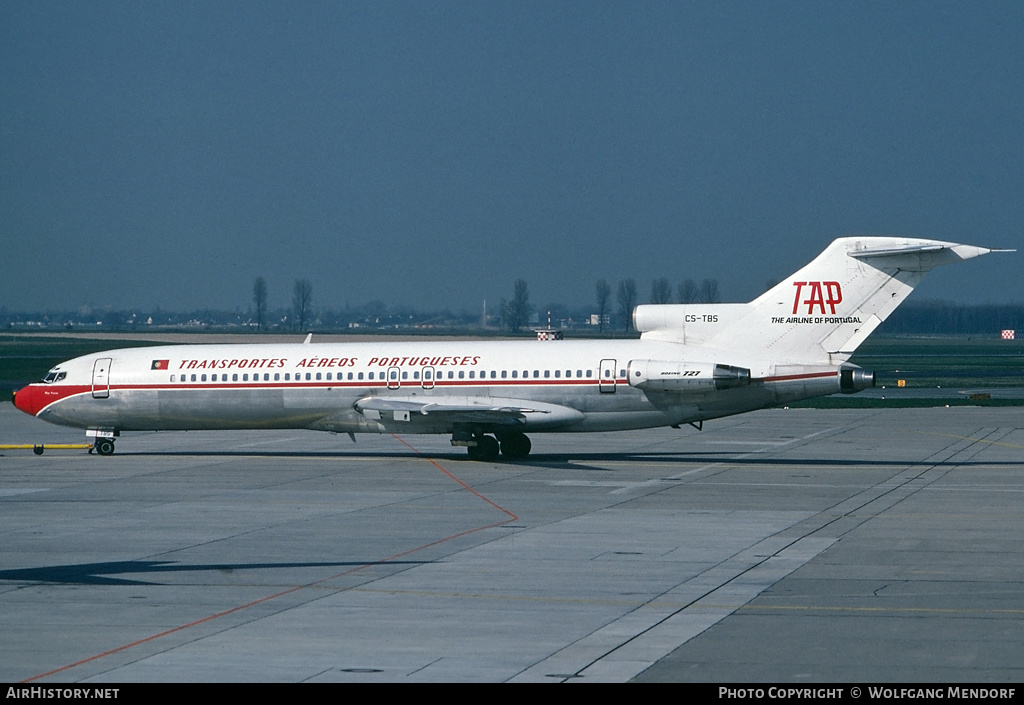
(54, 376)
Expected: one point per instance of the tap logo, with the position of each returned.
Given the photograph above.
(819, 295)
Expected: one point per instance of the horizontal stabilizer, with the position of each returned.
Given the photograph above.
(922, 256)
(887, 251)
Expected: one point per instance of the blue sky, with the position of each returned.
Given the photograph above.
(431, 153)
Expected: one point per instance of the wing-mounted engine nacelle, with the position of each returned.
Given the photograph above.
(854, 379)
(663, 376)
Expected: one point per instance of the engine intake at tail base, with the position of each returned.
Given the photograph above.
(664, 376)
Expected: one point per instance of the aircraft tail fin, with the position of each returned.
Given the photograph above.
(821, 313)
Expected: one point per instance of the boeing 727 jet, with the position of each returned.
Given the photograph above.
(692, 363)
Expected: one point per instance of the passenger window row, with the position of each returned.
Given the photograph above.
(427, 375)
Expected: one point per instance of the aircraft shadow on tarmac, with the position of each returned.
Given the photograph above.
(578, 460)
(104, 573)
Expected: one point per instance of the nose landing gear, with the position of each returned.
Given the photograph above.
(104, 446)
(103, 442)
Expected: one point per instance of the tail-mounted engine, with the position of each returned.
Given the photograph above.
(663, 376)
(854, 379)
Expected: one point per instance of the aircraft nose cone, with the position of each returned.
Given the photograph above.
(29, 399)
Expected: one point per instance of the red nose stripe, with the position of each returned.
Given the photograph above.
(36, 397)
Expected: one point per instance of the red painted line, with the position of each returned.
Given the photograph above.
(460, 482)
(289, 591)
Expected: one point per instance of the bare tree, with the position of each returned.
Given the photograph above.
(661, 291)
(687, 292)
(259, 298)
(518, 310)
(709, 291)
(502, 312)
(302, 301)
(627, 300)
(604, 293)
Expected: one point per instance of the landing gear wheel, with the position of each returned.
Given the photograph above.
(486, 448)
(104, 446)
(516, 447)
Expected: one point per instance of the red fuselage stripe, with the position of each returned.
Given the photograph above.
(43, 395)
(790, 378)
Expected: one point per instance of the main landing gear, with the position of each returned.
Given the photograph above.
(486, 448)
(514, 446)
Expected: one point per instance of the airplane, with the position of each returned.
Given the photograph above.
(692, 363)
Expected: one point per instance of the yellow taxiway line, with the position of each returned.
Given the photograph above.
(38, 448)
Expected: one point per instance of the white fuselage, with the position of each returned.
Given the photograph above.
(693, 362)
(319, 386)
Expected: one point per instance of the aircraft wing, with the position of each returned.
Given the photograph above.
(468, 409)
